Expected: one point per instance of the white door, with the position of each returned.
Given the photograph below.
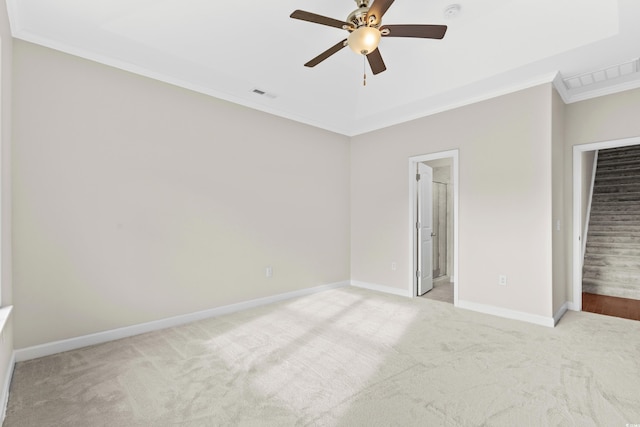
(425, 229)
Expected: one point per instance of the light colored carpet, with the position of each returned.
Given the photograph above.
(345, 357)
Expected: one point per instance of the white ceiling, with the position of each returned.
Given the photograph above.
(229, 48)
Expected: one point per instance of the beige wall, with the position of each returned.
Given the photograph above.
(504, 194)
(559, 217)
(135, 200)
(596, 120)
(603, 119)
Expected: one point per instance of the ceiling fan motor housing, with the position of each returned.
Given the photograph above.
(358, 17)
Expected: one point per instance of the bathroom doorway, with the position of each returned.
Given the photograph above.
(442, 227)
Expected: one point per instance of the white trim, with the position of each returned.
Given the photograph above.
(558, 83)
(4, 398)
(506, 313)
(560, 313)
(624, 84)
(5, 312)
(381, 288)
(576, 304)
(571, 306)
(569, 96)
(128, 331)
(585, 233)
(413, 161)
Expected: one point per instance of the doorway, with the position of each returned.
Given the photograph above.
(441, 256)
(581, 183)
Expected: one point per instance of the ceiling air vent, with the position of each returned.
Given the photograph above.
(603, 76)
(264, 93)
(605, 81)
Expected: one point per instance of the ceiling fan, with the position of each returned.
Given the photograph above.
(365, 30)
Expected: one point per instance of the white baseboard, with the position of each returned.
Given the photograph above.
(5, 312)
(47, 349)
(509, 314)
(572, 306)
(4, 398)
(560, 313)
(381, 288)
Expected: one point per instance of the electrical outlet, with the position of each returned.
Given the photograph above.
(268, 272)
(394, 266)
(502, 280)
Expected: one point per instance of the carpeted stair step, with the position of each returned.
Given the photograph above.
(613, 238)
(617, 180)
(615, 223)
(614, 261)
(614, 207)
(623, 216)
(617, 154)
(614, 289)
(615, 197)
(617, 173)
(626, 157)
(622, 275)
(618, 151)
(607, 249)
(614, 229)
(626, 149)
(606, 163)
(613, 169)
(616, 188)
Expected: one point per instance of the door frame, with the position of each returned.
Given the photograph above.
(413, 241)
(578, 226)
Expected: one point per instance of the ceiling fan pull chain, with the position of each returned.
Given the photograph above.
(364, 71)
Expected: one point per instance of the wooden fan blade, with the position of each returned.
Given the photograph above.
(375, 62)
(318, 19)
(377, 10)
(327, 53)
(420, 31)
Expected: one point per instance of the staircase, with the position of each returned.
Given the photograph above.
(612, 257)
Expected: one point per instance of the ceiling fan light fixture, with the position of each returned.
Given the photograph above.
(365, 30)
(364, 40)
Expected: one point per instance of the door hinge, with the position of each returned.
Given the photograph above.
(418, 225)
(417, 177)
(418, 274)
